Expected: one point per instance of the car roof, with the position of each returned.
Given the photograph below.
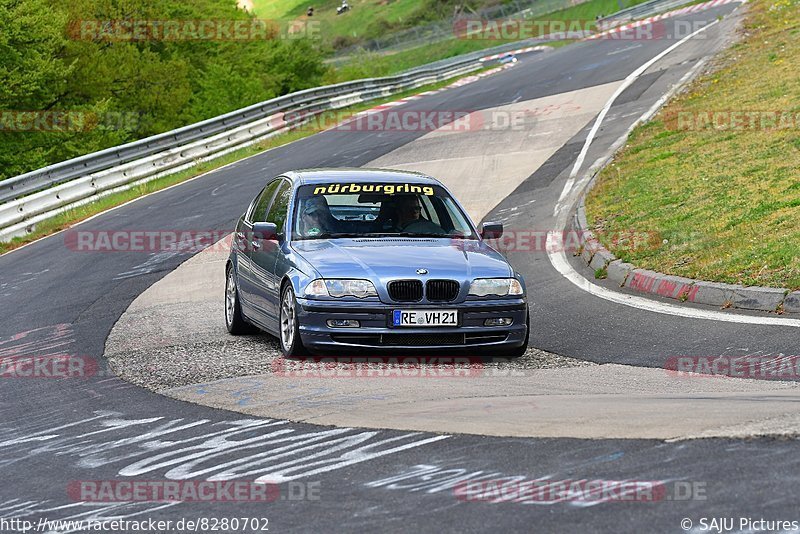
(357, 174)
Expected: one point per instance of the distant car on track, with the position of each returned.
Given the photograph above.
(369, 259)
(507, 59)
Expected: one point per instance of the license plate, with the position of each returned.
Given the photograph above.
(425, 318)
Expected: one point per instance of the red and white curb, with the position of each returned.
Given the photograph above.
(691, 9)
(596, 256)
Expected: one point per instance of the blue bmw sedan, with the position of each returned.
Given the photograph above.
(368, 259)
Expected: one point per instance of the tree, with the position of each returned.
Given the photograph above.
(123, 89)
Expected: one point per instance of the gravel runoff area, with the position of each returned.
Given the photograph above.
(181, 365)
(172, 340)
(181, 338)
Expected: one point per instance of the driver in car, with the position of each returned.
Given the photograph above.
(410, 217)
(316, 217)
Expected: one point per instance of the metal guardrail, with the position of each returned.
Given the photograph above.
(40, 194)
(80, 166)
(37, 195)
(485, 52)
(643, 10)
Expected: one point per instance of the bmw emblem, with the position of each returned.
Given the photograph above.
(422, 271)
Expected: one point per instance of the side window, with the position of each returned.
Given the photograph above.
(277, 212)
(443, 218)
(259, 209)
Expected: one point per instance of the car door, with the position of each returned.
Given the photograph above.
(243, 240)
(264, 256)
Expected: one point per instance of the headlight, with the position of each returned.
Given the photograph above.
(501, 287)
(316, 289)
(351, 288)
(341, 288)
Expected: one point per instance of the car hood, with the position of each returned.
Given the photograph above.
(382, 259)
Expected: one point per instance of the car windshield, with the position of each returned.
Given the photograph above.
(338, 210)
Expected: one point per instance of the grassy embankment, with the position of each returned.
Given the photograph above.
(717, 173)
(375, 18)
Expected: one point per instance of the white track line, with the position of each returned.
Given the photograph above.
(558, 257)
(629, 80)
(562, 265)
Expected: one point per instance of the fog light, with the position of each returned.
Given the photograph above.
(498, 321)
(343, 323)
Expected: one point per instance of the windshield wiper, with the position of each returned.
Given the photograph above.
(421, 234)
(418, 234)
(329, 235)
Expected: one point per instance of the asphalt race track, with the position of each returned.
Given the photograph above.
(56, 300)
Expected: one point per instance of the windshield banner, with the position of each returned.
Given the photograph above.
(388, 189)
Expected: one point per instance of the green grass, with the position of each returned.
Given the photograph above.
(371, 19)
(372, 64)
(725, 202)
(325, 120)
(367, 19)
(361, 14)
(588, 10)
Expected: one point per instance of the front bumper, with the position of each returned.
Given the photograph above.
(376, 332)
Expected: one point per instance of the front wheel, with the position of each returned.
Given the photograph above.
(234, 321)
(291, 344)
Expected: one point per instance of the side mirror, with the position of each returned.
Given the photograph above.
(265, 231)
(491, 230)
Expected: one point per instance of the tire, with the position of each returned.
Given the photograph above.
(234, 320)
(520, 351)
(289, 326)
